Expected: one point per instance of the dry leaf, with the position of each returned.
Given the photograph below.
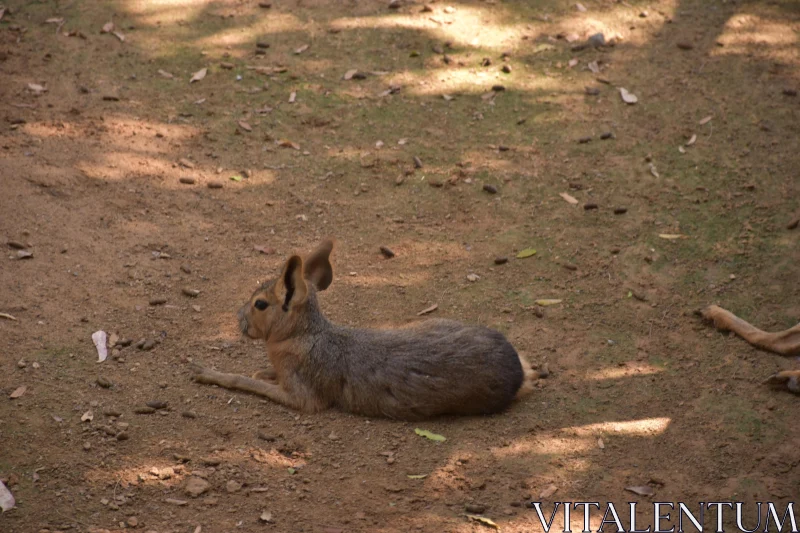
(483, 520)
(644, 490)
(165, 74)
(19, 391)
(118, 35)
(55, 20)
(545, 302)
(672, 236)
(548, 491)
(705, 120)
(87, 417)
(108, 27)
(428, 435)
(292, 97)
(7, 501)
(527, 252)
(245, 126)
(264, 249)
(572, 62)
(350, 73)
(569, 198)
(601, 444)
(594, 67)
(266, 516)
(416, 476)
(100, 340)
(447, 97)
(302, 49)
(285, 143)
(692, 140)
(199, 75)
(427, 310)
(681, 149)
(7, 316)
(36, 88)
(580, 7)
(627, 97)
(653, 170)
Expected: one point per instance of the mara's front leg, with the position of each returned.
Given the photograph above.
(303, 401)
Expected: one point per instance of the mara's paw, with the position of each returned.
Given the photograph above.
(266, 375)
(788, 378)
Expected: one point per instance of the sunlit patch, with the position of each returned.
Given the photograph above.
(746, 33)
(470, 80)
(240, 35)
(577, 439)
(630, 369)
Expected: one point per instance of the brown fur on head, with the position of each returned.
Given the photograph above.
(275, 308)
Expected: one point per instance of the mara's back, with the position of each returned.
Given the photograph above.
(431, 368)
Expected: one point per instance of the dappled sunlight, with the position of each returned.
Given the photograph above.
(247, 35)
(466, 26)
(750, 34)
(577, 439)
(471, 80)
(630, 369)
(165, 11)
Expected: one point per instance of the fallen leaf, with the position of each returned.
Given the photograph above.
(545, 302)
(292, 471)
(237, 177)
(266, 516)
(527, 252)
(483, 520)
(569, 198)
(594, 67)
(245, 126)
(7, 316)
(108, 27)
(100, 340)
(692, 140)
(264, 249)
(19, 391)
(644, 490)
(628, 97)
(7, 501)
(284, 143)
(165, 74)
(118, 35)
(54, 20)
(427, 310)
(302, 49)
(349, 74)
(681, 149)
(672, 236)
(292, 97)
(653, 170)
(87, 416)
(572, 62)
(601, 444)
(705, 120)
(543, 47)
(417, 476)
(36, 88)
(199, 75)
(428, 435)
(473, 277)
(548, 491)
(580, 7)
(447, 97)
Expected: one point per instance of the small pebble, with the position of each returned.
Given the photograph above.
(193, 293)
(214, 184)
(387, 253)
(544, 372)
(683, 45)
(189, 414)
(16, 245)
(475, 508)
(417, 162)
(793, 224)
(124, 342)
(157, 404)
(103, 382)
(491, 189)
(123, 435)
(506, 69)
(149, 345)
(498, 88)
(570, 266)
(592, 91)
(590, 206)
(158, 301)
(620, 210)
(144, 410)
(187, 180)
(22, 364)
(112, 412)
(584, 140)
(87, 446)
(500, 260)
(607, 135)
(598, 39)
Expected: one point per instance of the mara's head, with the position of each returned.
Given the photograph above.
(278, 306)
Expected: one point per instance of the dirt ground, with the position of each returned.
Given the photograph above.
(98, 132)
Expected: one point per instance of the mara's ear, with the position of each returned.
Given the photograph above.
(318, 269)
(291, 288)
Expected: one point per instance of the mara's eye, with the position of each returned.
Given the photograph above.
(261, 304)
